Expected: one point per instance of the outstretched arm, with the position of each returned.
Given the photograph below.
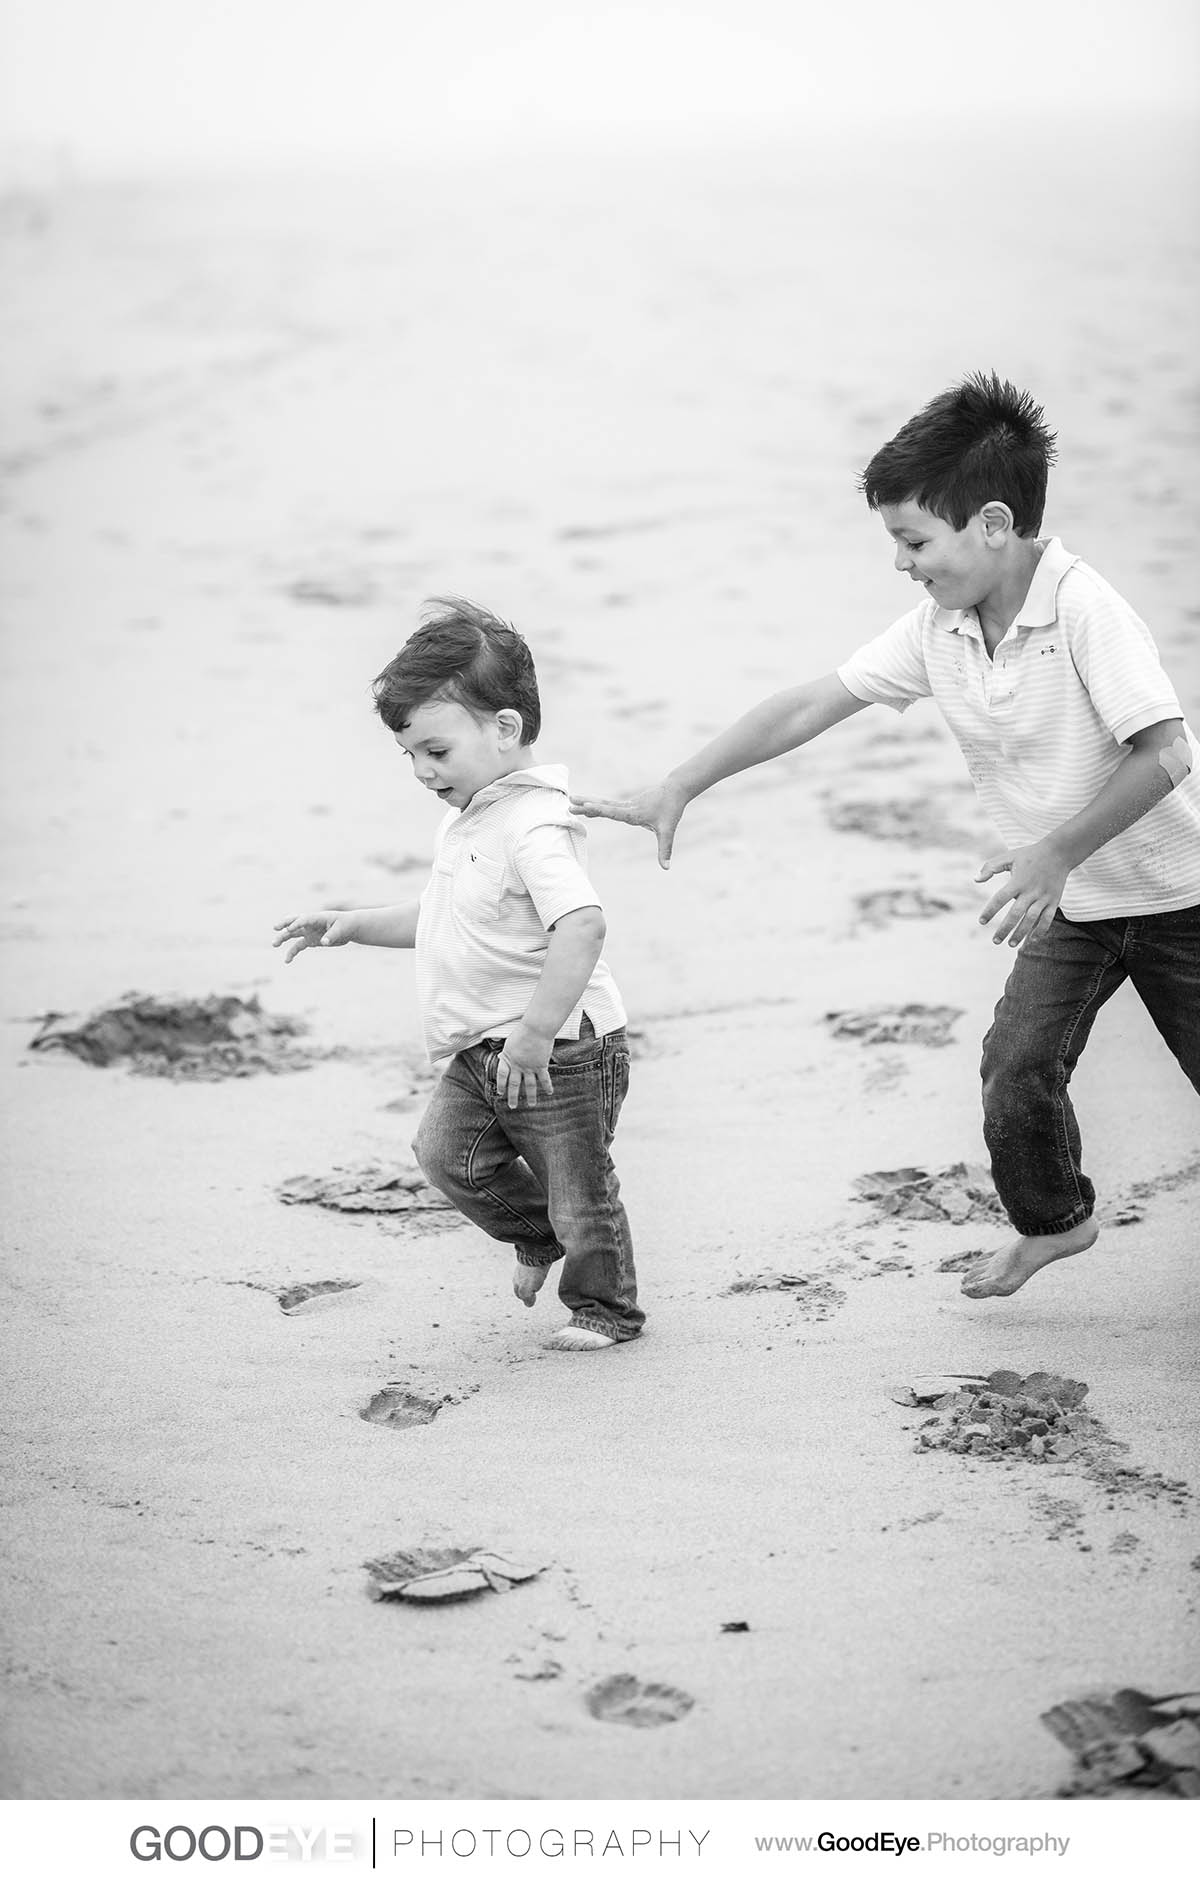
(1159, 759)
(387, 926)
(775, 726)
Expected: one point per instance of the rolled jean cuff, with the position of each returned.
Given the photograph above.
(615, 1330)
(1058, 1228)
(537, 1255)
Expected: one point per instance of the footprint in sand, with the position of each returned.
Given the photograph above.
(955, 1265)
(816, 1300)
(909, 1022)
(919, 822)
(876, 908)
(369, 1189)
(628, 1702)
(396, 1406)
(302, 1297)
(958, 1193)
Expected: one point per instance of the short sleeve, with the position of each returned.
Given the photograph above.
(890, 670)
(547, 861)
(1117, 661)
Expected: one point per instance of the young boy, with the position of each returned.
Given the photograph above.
(1075, 742)
(518, 1004)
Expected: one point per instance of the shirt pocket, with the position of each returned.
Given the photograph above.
(477, 885)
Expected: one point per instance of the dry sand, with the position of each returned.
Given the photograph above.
(249, 429)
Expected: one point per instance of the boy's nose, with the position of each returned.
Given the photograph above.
(903, 559)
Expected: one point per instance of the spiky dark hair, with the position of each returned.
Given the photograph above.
(979, 441)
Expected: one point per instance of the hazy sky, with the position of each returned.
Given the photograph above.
(116, 80)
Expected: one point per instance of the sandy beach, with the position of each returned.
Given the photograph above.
(250, 426)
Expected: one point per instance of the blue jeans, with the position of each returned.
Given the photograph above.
(540, 1176)
(1057, 987)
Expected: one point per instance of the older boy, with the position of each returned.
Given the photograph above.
(518, 1004)
(1079, 753)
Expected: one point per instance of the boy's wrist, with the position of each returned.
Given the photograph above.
(676, 785)
(1060, 853)
(542, 1035)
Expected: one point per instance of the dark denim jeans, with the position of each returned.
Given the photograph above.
(1057, 987)
(541, 1176)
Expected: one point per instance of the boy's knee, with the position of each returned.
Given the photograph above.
(1014, 1083)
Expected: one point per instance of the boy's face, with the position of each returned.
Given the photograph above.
(956, 567)
(456, 755)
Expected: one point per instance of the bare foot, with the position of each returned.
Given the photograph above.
(573, 1340)
(527, 1280)
(1007, 1270)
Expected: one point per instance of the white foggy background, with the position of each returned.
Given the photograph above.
(593, 313)
(136, 82)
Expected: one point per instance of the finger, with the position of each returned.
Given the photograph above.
(991, 867)
(666, 844)
(1045, 923)
(1030, 925)
(286, 923)
(995, 904)
(529, 1085)
(544, 1081)
(294, 949)
(598, 808)
(1011, 923)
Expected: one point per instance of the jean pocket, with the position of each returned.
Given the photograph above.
(616, 1086)
(568, 1054)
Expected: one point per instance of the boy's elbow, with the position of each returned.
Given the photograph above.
(1172, 750)
(1176, 761)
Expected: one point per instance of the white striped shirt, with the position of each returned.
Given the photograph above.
(1041, 725)
(506, 868)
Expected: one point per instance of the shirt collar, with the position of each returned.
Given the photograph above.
(544, 777)
(1038, 610)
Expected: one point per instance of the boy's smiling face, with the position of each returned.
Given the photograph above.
(958, 568)
(454, 754)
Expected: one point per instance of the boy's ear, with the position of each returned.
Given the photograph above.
(510, 726)
(997, 520)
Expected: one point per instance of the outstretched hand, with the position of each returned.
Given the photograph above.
(327, 928)
(656, 809)
(1034, 888)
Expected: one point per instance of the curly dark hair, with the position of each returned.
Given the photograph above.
(460, 652)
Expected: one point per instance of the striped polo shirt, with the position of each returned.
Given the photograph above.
(1041, 725)
(506, 868)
